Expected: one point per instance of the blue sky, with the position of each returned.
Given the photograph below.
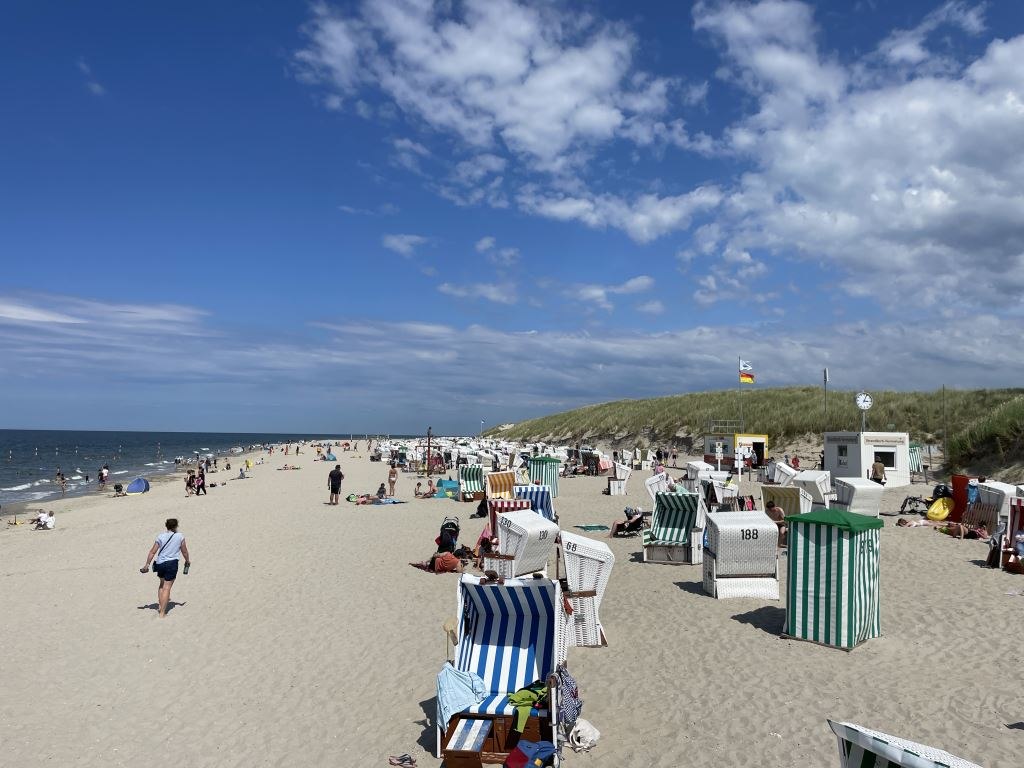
(387, 214)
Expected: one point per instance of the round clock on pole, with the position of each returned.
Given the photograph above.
(864, 402)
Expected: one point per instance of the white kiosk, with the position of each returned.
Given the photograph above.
(851, 454)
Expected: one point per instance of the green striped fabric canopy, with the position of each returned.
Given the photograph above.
(915, 458)
(863, 748)
(471, 478)
(673, 518)
(833, 590)
(544, 470)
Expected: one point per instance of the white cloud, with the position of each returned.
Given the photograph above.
(908, 46)
(653, 307)
(485, 244)
(592, 293)
(537, 78)
(405, 245)
(499, 293)
(91, 83)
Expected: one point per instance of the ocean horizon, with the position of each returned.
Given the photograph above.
(31, 458)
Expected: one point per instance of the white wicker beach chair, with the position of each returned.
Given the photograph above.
(525, 543)
(588, 566)
(859, 495)
(818, 483)
(694, 469)
(995, 492)
(656, 484)
(741, 555)
(863, 748)
(783, 473)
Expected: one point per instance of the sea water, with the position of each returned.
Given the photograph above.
(30, 459)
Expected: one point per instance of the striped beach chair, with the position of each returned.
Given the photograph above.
(656, 484)
(471, 481)
(588, 566)
(539, 497)
(675, 535)
(795, 501)
(863, 748)
(544, 470)
(510, 634)
(832, 595)
(500, 484)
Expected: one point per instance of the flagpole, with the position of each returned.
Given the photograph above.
(739, 385)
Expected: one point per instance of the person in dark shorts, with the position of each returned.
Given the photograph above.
(334, 478)
(164, 554)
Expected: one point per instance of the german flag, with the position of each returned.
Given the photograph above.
(746, 377)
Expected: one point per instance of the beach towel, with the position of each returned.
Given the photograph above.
(592, 527)
(455, 691)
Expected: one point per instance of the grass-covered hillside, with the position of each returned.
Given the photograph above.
(995, 439)
(787, 414)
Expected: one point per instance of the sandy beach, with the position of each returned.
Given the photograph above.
(302, 637)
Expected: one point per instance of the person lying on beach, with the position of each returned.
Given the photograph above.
(44, 521)
(288, 466)
(962, 531)
(905, 523)
(441, 562)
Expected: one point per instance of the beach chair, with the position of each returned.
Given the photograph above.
(539, 497)
(471, 482)
(525, 543)
(1014, 525)
(497, 507)
(619, 478)
(995, 492)
(859, 495)
(719, 493)
(783, 474)
(818, 483)
(795, 501)
(694, 469)
(675, 535)
(863, 748)
(656, 484)
(741, 556)
(500, 485)
(588, 566)
(510, 634)
(981, 514)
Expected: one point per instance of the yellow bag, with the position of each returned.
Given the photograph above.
(941, 509)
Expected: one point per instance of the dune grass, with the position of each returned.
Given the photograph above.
(996, 438)
(785, 414)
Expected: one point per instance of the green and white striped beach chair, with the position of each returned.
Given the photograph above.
(676, 532)
(832, 594)
(864, 748)
(471, 481)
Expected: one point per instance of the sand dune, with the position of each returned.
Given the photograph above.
(302, 638)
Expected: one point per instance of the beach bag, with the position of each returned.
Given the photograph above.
(583, 736)
(530, 754)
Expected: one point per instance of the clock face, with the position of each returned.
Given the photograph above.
(863, 401)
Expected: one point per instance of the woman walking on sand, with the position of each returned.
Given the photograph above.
(164, 556)
(392, 479)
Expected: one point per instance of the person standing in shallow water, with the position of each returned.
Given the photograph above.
(334, 478)
(164, 554)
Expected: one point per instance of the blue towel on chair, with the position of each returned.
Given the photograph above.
(455, 691)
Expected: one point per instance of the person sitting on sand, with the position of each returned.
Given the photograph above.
(241, 474)
(382, 491)
(778, 516)
(45, 521)
(418, 493)
(431, 490)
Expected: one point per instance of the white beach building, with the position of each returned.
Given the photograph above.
(851, 454)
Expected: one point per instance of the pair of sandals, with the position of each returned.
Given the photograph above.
(406, 760)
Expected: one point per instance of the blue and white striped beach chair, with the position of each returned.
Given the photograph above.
(863, 748)
(510, 634)
(540, 499)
